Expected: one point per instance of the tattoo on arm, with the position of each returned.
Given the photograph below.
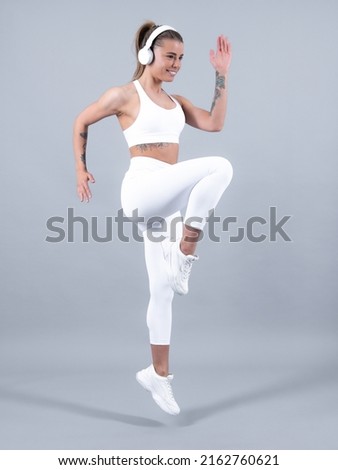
(220, 80)
(84, 136)
(220, 84)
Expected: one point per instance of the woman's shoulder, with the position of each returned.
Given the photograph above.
(122, 91)
(181, 99)
(118, 96)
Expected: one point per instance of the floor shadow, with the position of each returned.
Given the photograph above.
(282, 388)
(76, 408)
(187, 417)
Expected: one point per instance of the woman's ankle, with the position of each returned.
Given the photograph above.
(187, 248)
(161, 371)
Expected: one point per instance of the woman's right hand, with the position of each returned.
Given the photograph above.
(83, 189)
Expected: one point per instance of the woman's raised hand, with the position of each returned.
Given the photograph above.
(221, 59)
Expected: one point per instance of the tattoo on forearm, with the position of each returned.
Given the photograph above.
(84, 136)
(220, 84)
(146, 147)
(220, 80)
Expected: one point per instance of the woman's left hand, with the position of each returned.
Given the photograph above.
(221, 59)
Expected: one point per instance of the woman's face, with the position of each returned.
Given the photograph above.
(168, 58)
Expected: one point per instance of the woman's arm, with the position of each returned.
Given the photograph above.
(212, 120)
(108, 105)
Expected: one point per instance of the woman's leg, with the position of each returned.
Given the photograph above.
(156, 378)
(159, 312)
(210, 176)
(195, 184)
(160, 356)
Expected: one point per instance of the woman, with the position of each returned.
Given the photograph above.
(155, 185)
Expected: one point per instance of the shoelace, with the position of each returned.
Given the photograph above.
(170, 390)
(186, 269)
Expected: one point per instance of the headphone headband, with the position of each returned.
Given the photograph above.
(156, 33)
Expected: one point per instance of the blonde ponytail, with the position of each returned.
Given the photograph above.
(141, 36)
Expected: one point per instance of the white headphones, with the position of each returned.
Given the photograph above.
(146, 55)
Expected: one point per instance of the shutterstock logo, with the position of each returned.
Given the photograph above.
(256, 229)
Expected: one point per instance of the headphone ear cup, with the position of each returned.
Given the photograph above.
(145, 56)
(150, 56)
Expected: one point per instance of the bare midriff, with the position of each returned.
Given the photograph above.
(163, 151)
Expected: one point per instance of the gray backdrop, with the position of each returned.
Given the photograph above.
(254, 346)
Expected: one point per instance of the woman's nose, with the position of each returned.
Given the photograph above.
(176, 62)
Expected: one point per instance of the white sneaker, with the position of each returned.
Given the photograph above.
(178, 266)
(160, 388)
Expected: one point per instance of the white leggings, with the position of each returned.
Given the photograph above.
(152, 188)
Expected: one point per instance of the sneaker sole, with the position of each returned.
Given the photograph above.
(172, 282)
(157, 399)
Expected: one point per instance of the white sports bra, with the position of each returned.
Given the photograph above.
(154, 124)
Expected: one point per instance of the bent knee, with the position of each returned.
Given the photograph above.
(224, 167)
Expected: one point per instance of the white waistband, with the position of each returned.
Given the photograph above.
(146, 163)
